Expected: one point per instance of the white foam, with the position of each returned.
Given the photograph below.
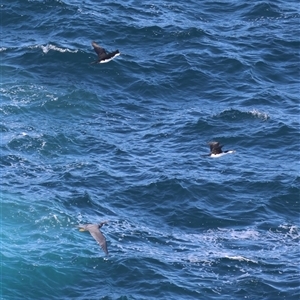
(240, 258)
(259, 114)
(49, 47)
(55, 217)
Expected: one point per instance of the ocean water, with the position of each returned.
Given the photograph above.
(127, 141)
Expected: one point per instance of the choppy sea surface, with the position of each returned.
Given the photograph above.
(127, 141)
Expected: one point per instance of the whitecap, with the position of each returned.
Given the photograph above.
(240, 258)
(261, 115)
(55, 217)
(49, 47)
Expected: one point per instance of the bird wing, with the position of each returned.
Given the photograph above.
(99, 237)
(99, 50)
(215, 147)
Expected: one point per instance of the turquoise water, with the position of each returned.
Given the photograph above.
(126, 142)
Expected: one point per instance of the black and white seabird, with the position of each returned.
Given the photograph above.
(96, 233)
(103, 56)
(216, 150)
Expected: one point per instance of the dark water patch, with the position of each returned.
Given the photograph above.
(78, 102)
(284, 55)
(82, 203)
(286, 204)
(277, 131)
(263, 9)
(226, 10)
(270, 97)
(78, 177)
(3, 128)
(230, 66)
(167, 189)
(265, 71)
(260, 289)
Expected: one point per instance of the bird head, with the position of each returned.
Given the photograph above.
(102, 223)
(81, 227)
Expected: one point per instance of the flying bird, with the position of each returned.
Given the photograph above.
(216, 150)
(103, 56)
(96, 233)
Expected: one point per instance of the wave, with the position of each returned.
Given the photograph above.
(234, 115)
(266, 11)
(49, 47)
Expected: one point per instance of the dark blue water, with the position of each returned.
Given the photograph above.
(125, 142)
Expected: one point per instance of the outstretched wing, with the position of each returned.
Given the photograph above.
(99, 237)
(215, 147)
(99, 50)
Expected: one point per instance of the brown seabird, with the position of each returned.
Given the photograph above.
(96, 233)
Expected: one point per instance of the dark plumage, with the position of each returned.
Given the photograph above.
(216, 150)
(103, 56)
(96, 233)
